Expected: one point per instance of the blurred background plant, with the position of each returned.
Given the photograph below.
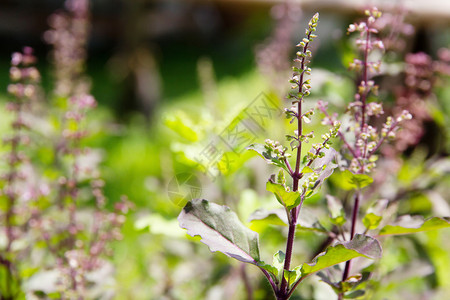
(171, 79)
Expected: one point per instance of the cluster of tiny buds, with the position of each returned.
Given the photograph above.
(419, 73)
(291, 113)
(372, 15)
(311, 182)
(303, 56)
(23, 74)
(333, 132)
(365, 29)
(374, 109)
(278, 149)
(281, 179)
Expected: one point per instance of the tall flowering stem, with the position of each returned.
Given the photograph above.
(81, 246)
(23, 89)
(301, 89)
(367, 139)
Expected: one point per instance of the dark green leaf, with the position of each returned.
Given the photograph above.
(354, 294)
(220, 229)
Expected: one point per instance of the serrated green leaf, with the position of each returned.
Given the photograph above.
(408, 224)
(360, 245)
(289, 199)
(220, 229)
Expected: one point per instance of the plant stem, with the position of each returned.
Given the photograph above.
(362, 156)
(364, 95)
(284, 293)
(247, 284)
(289, 247)
(352, 232)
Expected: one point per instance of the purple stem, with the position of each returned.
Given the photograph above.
(284, 289)
(352, 233)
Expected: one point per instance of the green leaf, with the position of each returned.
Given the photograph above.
(350, 283)
(269, 156)
(276, 269)
(354, 294)
(360, 245)
(289, 199)
(159, 225)
(337, 213)
(357, 181)
(349, 181)
(292, 276)
(371, 221)
(315, 226)
(344, 286)
(374, 214)
(220, 229)
(308, 221)
(307, 170)
(271, 217)
(181, 125)
(271, 269)
(407, 224)
(278, 263)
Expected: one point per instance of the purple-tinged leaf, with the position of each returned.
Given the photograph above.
(220, 229)
(324, 167)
